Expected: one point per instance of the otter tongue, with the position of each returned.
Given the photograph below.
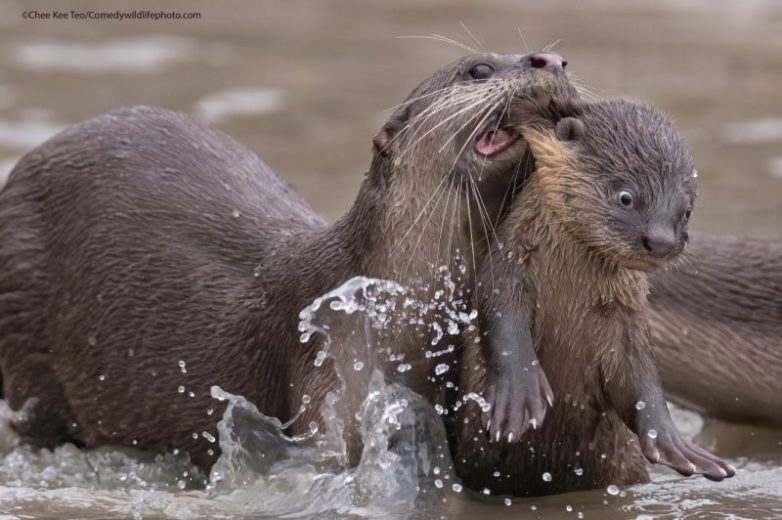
(493, 142)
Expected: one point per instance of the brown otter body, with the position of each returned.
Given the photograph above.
(145, 258)
(717, 325)
(611, 195)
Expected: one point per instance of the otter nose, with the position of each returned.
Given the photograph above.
(545, 61)
(659, 241)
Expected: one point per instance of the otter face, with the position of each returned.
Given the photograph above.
(628, 183)
(458, 117)
(450, 148)
(463, 108)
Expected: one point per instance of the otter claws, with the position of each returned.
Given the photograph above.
(668, 447)
(518, 400)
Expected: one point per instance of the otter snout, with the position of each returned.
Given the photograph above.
(545, 60)
(659, 241)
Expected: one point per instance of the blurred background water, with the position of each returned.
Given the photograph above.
(306, 84)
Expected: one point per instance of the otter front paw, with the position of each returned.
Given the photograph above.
(667, 446)
(518, 399)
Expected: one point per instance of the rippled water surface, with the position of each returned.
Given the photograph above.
(306, 85)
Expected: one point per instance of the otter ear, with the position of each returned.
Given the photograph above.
(384, 139)
(569, 129)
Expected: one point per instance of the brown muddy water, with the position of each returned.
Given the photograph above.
(306, 84)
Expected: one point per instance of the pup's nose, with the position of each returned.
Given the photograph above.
(545, 61)
(659, 241)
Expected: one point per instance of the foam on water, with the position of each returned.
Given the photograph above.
(24, 135)
(146, 54)
(223, 105)
(766, 130)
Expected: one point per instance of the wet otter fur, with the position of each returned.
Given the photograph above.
(145, 257)
(566, 310)
(717, 322)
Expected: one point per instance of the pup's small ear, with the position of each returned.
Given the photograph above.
(569, 129)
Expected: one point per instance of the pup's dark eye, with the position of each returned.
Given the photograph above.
(625, 198)
(482, 71)
(687, 214)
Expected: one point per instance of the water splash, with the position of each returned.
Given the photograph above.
(405, 469)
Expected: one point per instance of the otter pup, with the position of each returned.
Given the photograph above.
(609, 201)
(145, 257)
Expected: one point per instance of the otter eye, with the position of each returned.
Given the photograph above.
(687, 214)
(625, 198)
(482, 71)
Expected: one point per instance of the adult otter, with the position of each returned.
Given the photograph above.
(609, 199)
(717, 323)
(145, 258)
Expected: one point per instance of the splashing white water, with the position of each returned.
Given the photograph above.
(404, 470)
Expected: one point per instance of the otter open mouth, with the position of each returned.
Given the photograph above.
(493, 142)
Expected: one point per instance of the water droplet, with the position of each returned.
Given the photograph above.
(257, 272)
(579, 471)
(480, 401)
(181, 484)
(569, 508)
(438, 483)
(182, 366)
(92, 340)
(320, 357)
(652, 434)
(358, 365)
(102, 377)
(546, 477)
(508, 502)
(439, 409)
(208, 436)
(640, 405)
(496, 474)
(306, 399)
(441, 369)
(579, 515)
(180, 389)
(533, 507)
(486, 491)
(404, 367)
(612, 490)
(457, 487)
(191, 394)
(195, 435)
(235, 213)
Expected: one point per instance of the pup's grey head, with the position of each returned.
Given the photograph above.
(632, 187)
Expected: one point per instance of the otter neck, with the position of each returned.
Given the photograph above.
(384, 236)
(413, 227)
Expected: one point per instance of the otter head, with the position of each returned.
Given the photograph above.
(447, 158)
(622, 180)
